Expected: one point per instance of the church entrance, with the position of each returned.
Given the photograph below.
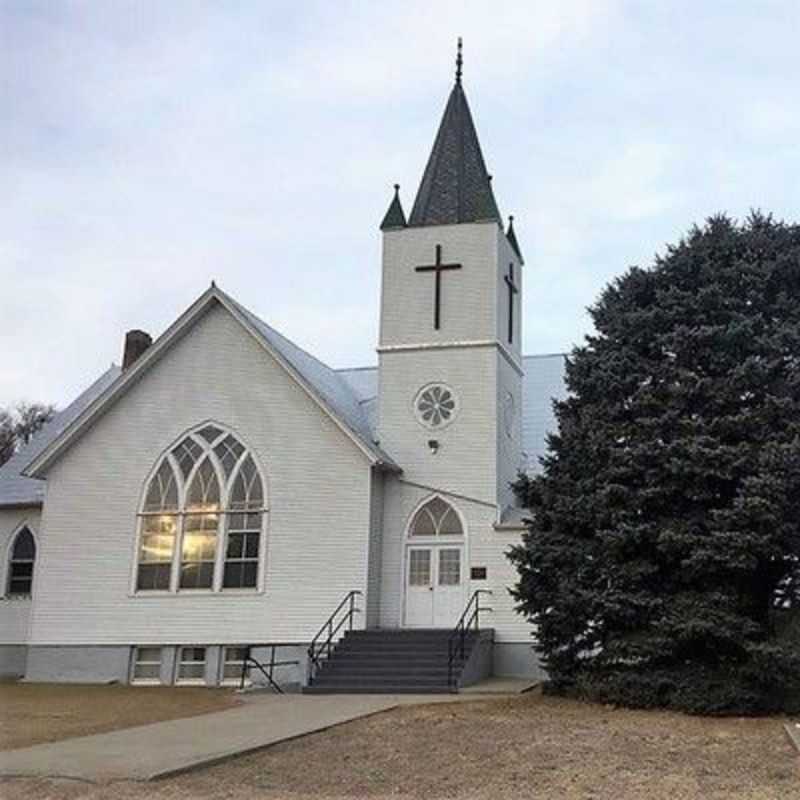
(434, 586)
(434, 566)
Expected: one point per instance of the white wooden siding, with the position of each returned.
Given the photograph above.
(484, 547)
(15, 611)
(468, 295)
(318, 485)
(466, 460)
(489, 549)
(475, 458)
(506, 256)
(510, 461)
(373, 600)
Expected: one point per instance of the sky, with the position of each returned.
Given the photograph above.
(147, 148)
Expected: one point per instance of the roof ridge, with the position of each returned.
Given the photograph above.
(354, 369)
(328, 386)
(17, 489)
(274, 330)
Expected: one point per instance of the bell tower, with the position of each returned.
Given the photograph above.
(449, 352)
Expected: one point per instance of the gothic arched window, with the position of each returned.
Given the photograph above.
(202, 516)
(436, 518)
(20, 564)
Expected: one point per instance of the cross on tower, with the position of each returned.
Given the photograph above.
(438, 268)
(512, 290)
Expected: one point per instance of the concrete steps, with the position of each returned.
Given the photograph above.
(390, 662)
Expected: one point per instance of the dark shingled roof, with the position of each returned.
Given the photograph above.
(455, 186)
(512, 239)
(395, 216)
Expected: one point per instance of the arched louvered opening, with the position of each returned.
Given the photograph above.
(22, 559)
(202, 517)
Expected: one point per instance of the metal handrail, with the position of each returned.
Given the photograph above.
(248, 662)
(456, 642)
(317, 647)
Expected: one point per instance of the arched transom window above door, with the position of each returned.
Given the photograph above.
(436, 518)
(202, 518)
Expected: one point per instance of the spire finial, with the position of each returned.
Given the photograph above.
(459, 62)
(396, 189)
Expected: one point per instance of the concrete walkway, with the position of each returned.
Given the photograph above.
(166, 748)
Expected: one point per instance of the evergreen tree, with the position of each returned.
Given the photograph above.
(660, 564)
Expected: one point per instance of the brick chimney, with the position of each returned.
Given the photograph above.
(136, 342)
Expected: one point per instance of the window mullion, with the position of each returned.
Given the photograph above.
(177, 555)
(180, 483)
(226, 486)
(219, 555)
(261, 568)
(196, 456)
(238, 465)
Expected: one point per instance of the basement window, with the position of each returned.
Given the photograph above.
(146, 665)
(192, 665)
(232, 665)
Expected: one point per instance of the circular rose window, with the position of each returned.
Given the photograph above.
(435, 405)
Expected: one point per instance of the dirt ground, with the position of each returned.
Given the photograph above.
(36, 712)
(521, 747)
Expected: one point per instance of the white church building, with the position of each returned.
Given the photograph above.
(225, 494)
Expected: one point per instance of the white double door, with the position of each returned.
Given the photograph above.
(435, 585)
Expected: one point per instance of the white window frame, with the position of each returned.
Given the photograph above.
(6, 566)
(442, 550)
(243, 559)
(436, 542)
(437, 536)
(226, 484)
(135, 661)
(223, 662)
(430, 553)
(179, 662)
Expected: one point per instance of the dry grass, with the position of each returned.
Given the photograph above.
(36, 713)
(523, 747)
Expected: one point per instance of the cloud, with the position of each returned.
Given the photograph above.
(146, 148)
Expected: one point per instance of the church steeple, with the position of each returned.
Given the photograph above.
(451, 309)
(455, 186)
(395, 216)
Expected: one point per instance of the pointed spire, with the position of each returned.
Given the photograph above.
(395, 216)
(512, 238)
(455, 186)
